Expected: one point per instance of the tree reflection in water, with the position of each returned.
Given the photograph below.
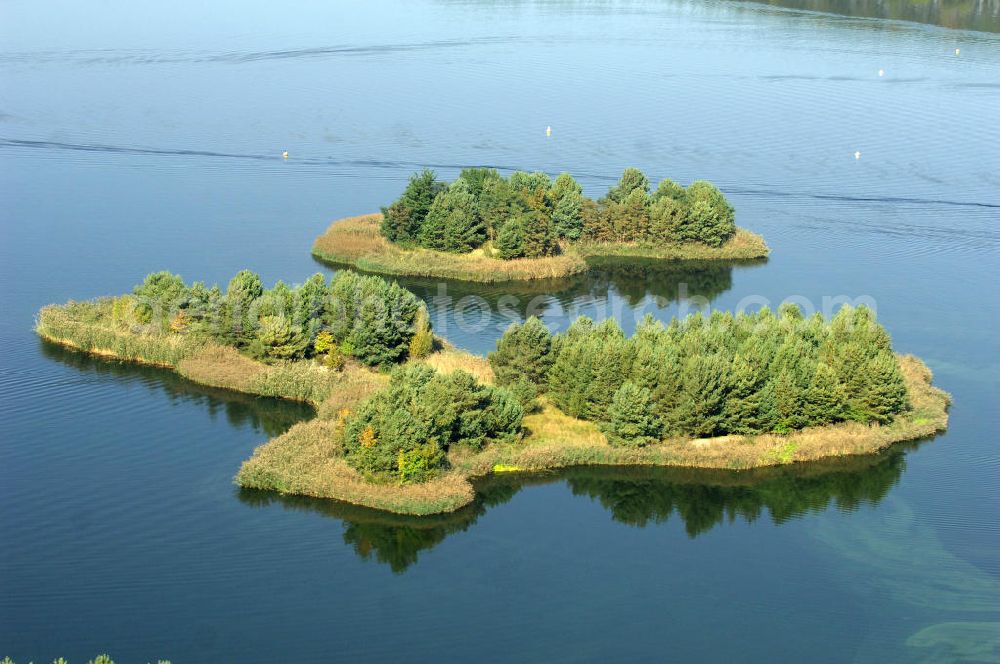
(637, 496)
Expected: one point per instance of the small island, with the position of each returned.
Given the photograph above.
(487, 228)
(404, 422)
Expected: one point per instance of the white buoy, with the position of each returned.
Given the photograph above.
(958, 51)
(284, 155)
(857, 155)
(881, 72)
(548, 131)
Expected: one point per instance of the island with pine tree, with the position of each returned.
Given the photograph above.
(404, 422)
(484, 227)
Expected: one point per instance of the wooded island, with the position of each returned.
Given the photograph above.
(484, 227)
(404, 421)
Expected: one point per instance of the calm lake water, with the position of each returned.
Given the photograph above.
(136, 138)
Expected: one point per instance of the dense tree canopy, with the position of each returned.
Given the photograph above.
(404, 431)
(367, 317)
(528, 214)
(699, 376)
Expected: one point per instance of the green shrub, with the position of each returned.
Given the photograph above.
(391, 431)
(420, 463)
(324, 342)
(422, 341)
(334, 359)
(525, 393)
(158, 296)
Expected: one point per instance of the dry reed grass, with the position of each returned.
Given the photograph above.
(449, 359)
(356, 241)
(745, 245)
(307, 460)
(90, 327)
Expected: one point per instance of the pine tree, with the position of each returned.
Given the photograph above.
(452, 223)
(509, 242)
(825, 399)
(670, 190)
(159, 296)
(539, 235)
(402, 221)
(631, 422)
(495, 205)
(524, 351)
(531, 189)
(571, 375)
(405, 430)
(278, 301)
(242, 292)
(788, 401)
(666, 218)
(433, 233)
(710, 218)
(339, 310)
(632, 179)
(422, 341)
(744, 410)
(632, 217)
(399, 222)
(476, 178)
(205, 310)
(308, 303)
(609, 367)
(883, 394)
(382, 325)
(667, 392)
(599, 222)
(700, 406)
(278, 339)
(592, 221)
(567, 207)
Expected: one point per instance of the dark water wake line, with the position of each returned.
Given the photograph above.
(771, 193)
(394, 164)
(91, 57)
(117, 149)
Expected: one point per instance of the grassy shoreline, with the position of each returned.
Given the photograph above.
(307, 459)
(303, 460)
(356, 241)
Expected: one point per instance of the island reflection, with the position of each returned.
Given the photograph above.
(272, 417)
(636, 496)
